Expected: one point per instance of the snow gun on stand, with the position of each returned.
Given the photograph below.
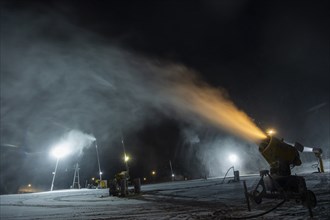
(278, 183)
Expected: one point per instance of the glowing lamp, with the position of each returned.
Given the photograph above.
(233, 158)
(271, 132)
(126, 158)
(60, 151)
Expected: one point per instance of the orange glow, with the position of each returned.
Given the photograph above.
(271, 132)
(212, 105)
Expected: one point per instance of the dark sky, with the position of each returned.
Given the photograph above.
(271, 57)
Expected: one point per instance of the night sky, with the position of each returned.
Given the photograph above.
(98, 67)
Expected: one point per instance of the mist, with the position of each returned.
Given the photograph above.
(212, 150)
(62, 82)
(75, 141)
(55, 79)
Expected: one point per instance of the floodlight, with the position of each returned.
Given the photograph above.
(126, 158)
(233, 158)
(60, 151)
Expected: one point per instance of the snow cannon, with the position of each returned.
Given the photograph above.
(279, 155)
(278, 183)
(283, 156)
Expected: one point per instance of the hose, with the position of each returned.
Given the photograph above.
(223, 180)
(257, 215)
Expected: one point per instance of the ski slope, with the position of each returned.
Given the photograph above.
(194, 199)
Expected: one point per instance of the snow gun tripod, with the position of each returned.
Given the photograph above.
(286, 188)
(279, 183)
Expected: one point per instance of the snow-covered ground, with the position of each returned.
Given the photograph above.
(195, 199)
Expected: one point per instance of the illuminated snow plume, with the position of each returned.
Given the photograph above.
(73, 141)
(84, 82)
(211, 104)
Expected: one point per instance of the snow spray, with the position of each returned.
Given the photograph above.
(211, 104)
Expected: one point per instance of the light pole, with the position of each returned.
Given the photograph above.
(54, 174)
(172, 174)
(58, 152)
(153, 174)
(126, 158)
(98, 160)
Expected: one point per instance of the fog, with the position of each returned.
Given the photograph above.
(60, 81)
(56, 79)
(213, 149)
